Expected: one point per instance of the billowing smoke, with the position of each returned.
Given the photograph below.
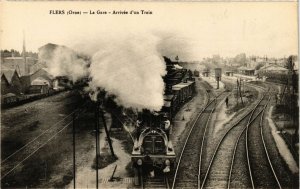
(131, 69)
(172, 44)
(128, 67)
(63, 61)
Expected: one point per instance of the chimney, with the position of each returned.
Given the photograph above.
(24, 56)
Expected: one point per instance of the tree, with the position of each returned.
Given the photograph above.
(290, 63)
(292, 83)
(240, 59)
(216, 59)
(258, 66)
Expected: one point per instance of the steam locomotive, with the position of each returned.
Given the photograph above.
(153, 152)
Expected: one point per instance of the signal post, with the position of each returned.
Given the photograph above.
(218, 74)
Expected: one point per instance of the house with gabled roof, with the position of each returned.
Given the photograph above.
(10, 82)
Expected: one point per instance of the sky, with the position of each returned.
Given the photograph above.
(192, 30)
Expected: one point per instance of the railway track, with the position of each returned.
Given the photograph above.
(218, 173)
(164, 182)
(259, 160)
(265, 163)
(240, 174)
(186, 175)
(16, 159)
(156, 183)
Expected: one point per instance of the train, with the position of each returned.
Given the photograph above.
(153, 152)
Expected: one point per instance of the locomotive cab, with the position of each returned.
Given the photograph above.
(153, 143)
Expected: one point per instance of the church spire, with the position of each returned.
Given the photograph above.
(24, 56)
(24, 46)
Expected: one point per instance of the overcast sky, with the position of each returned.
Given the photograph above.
(199, 29)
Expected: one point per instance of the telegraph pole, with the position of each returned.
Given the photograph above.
(237, 91)
(107, 133)
(74, 160)
(239, 84)
(97, 141)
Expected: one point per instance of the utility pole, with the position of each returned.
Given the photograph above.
(237, 91)
(97, 141)
(240, 85)
(74, 160)
(243, 86)
(107, 133)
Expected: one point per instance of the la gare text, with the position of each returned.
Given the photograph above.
(95, 12)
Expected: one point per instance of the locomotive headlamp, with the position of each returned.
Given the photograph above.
(139, 162)
(167, 162)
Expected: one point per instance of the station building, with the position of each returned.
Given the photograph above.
(246, 71)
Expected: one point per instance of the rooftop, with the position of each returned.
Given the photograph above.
(8, 73)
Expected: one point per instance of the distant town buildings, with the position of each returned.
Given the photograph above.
(22, 74)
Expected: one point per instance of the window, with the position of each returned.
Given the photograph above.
(154, 144)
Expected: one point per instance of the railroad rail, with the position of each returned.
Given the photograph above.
(226, 135)
(189, 145)
(239, 125)
(259, 154)
(245, 131)
(157, 183)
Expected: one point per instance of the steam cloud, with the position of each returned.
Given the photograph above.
(132, 70)
(128, 67)
(63, 61)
